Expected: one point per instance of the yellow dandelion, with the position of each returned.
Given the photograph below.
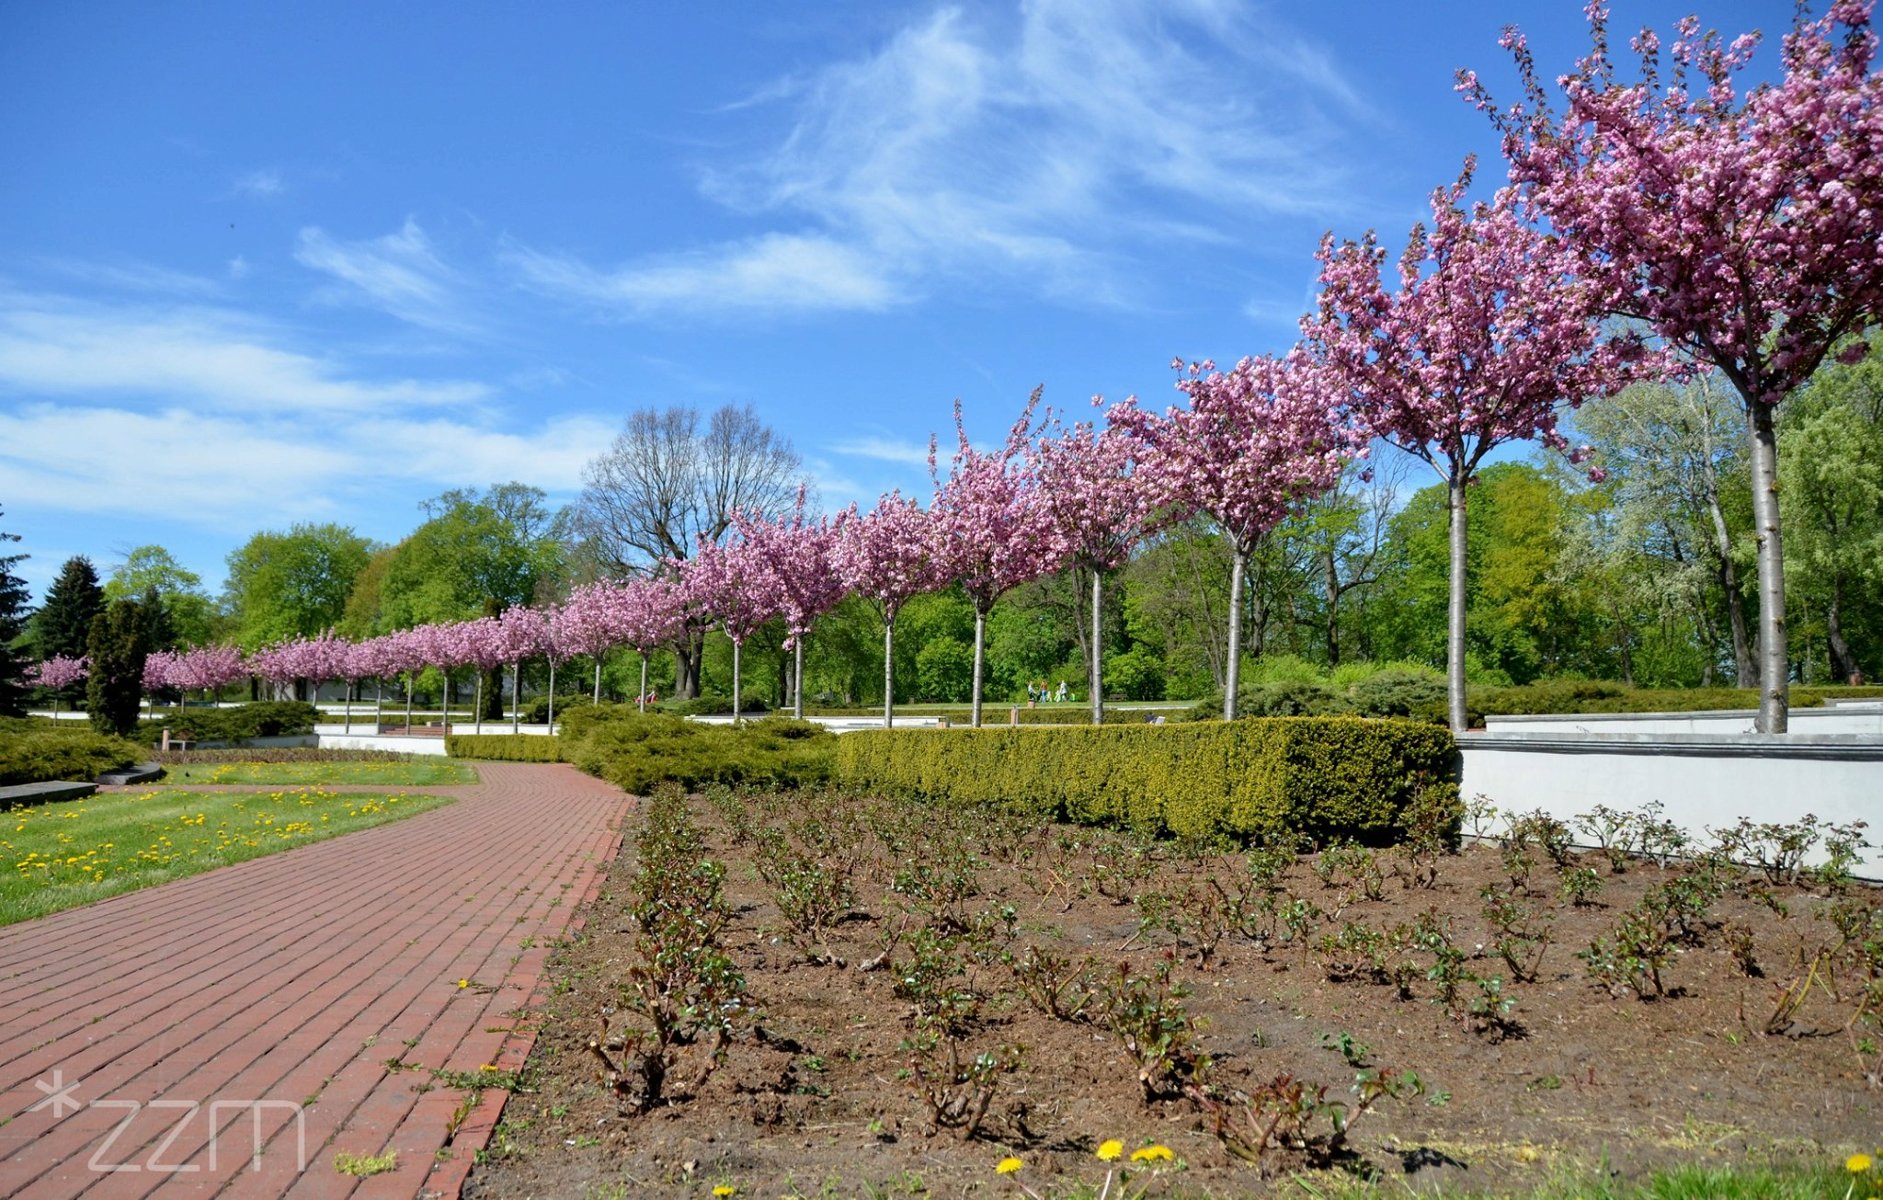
(488, 1067)
(725, 1189)
(464, 983)
(1008, 1165)
(1857, 1164)
(1110, 1149)
(1154, 1153)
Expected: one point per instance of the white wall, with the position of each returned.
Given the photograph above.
(1862, 717)
(1701, 780)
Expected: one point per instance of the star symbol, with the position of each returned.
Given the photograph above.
(58, 1095)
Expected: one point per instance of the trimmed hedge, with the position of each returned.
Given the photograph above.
(638, 752)
(1077, 714)
(504, 747)
(263, 718)
(713, 704)
(1325, 778)
(42, 756)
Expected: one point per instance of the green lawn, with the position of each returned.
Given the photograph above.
(62, 855)
(420, 773)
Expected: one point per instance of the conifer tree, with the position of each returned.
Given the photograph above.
(119, 644)
(13, 596)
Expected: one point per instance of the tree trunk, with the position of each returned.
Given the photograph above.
(411, 679)
(516, 697)
(552, 696)
(1745, 672)
(1843, 666)
(477, 706)
(1330, 572)
(1774, 668)
(490, 686)
(688, 658)
(597, 699)
(797, 680)
(641, 700)
(347, 701)
(735, 681)
(1455, 612)
(1232, 675)
(980, 655)
(1098, 652)
(889, 669)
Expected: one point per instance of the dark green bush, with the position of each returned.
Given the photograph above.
(43, 756)
(585, 720)
(504, 747)
(1326, 778)
(537, 711)
(712, 704)
(1071, 714)
(638, 752)
(1398, 693)
(263, 718)
(1279, 698)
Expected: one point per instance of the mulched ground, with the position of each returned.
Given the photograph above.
(817, 1096)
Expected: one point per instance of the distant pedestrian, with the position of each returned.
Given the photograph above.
(1062, 695)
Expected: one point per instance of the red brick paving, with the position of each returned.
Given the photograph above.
(294, 981)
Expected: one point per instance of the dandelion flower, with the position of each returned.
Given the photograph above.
(1155, 1153)
(1857, 1164)
(1008, 1165)
(1110, 1149)
(725, 1189)
(464, 983)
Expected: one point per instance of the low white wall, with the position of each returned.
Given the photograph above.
(1863, 717)
(1701, 780)
(371, 741)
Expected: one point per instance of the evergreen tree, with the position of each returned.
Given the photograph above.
(120, 641)
(13, 660)
(62, 626)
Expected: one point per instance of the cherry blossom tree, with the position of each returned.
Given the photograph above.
(1098, 510)
(650, 613)
(889, 555)
(59, 671)
(1741, 226)
(521, 633)
(1492, 328)
(159, 672)
(477, 643)
(995, 532)
(798, 555)
(1254, 442)
(207, 668)
(731, 584)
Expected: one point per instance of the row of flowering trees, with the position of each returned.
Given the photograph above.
(1736, 232)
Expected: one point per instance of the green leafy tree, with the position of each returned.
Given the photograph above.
(1831, 459)
(290, 584)
(13, 660)
(118, 646)
(187, 608)
(500, 548)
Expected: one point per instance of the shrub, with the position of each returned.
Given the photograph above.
(1280, 698)
(1327, 778)
(504, 747)
(1070, 714)
(636, 752)
(1398, 692)
(537, 711)
(263, 718)
(41, 756)
(712, 704)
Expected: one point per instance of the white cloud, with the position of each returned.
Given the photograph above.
(143, 278)
(399, 273)
(883, 449)
(263, 184)
(205, 358)
(1054, 154)
(238, 267)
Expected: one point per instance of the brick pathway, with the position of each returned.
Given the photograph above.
(265, 1000)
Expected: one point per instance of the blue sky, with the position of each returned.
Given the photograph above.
(267, 263)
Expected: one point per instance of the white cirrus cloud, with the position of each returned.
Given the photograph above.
(1054, 152)
(261, 184)
(400, 273)
(883, 449)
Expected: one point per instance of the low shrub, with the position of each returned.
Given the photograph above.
(580, 722)
(504, 747)
(1397, 692)
(263, 718)
(712, 704)
(637, 752)
(1072, 714)
(1324, 778)
(537, 711)
(43, 756)
(281, 754)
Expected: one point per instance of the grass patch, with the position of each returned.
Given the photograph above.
(361, 1165)
(409, 773)
(61, 855)
(1689, 1182)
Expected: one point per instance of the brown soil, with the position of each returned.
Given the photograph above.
(815, 1095)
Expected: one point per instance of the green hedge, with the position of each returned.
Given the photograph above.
(636, 752)
(263, 718)
(1327, 778)
(42, 756)
(712, 704)
(504, 747)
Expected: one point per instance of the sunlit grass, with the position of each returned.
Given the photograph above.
(61, 855)
(430, 773)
